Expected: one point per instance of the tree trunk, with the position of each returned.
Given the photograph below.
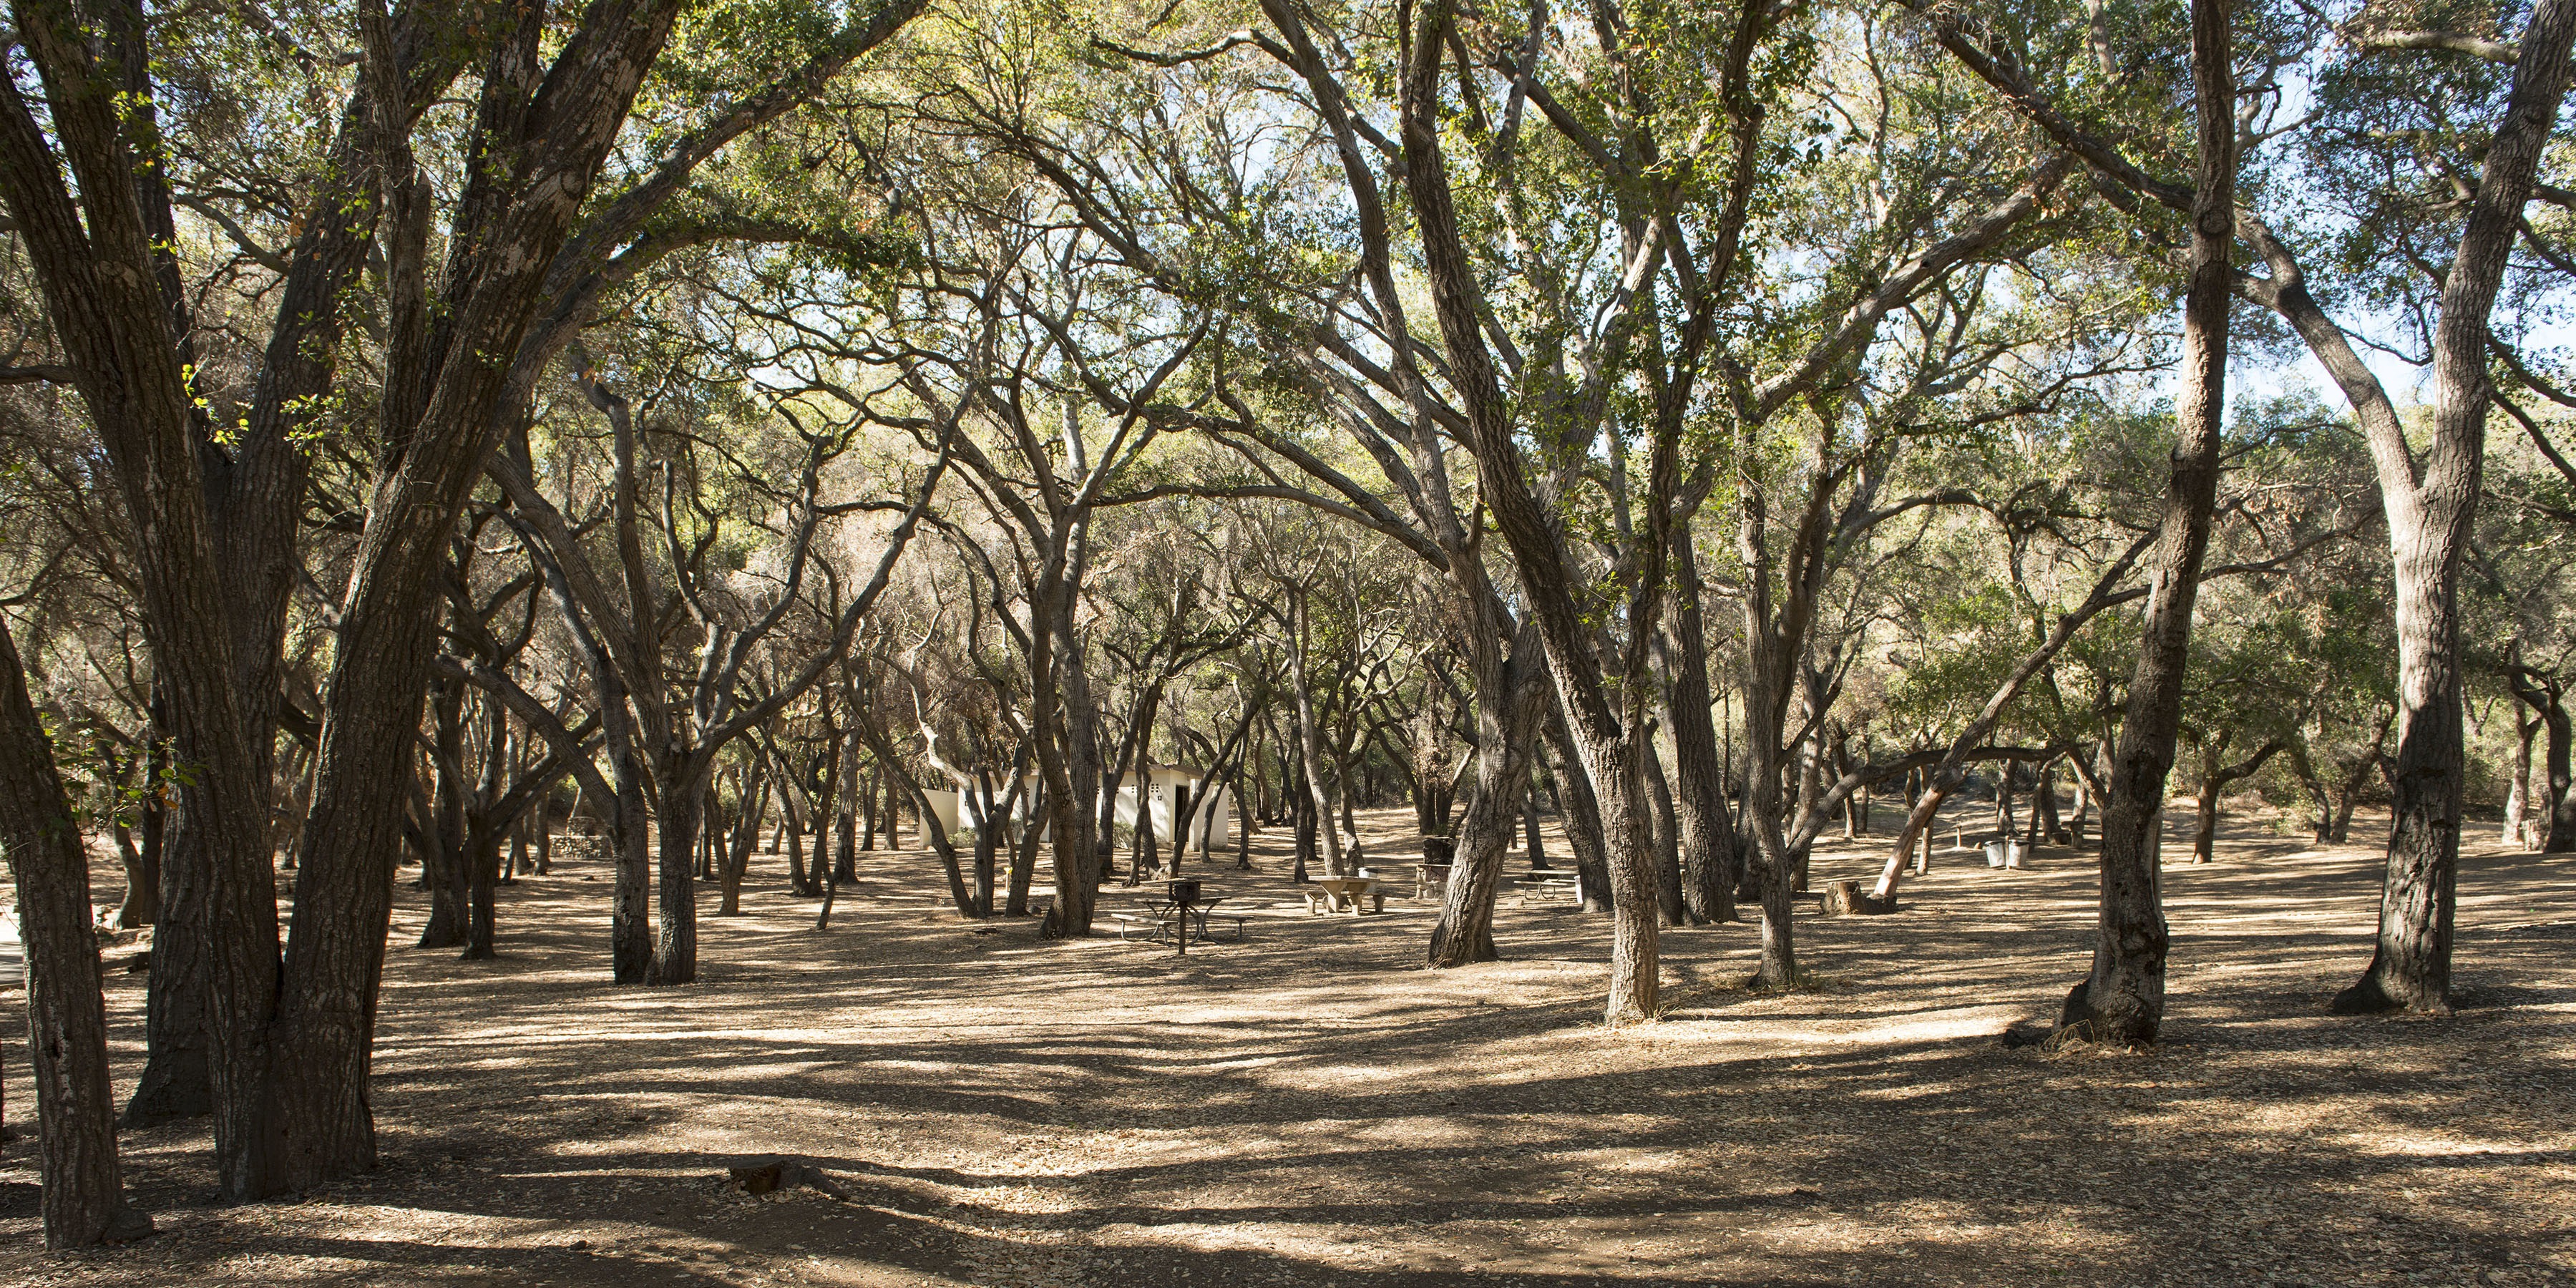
(2046, 826)
(1024, 848)
(845, 821)
(675, 943)
(1665, 826)
(1581, 808)
(1529, 824)
(445, 874)
(2431, 512)
(1505, 720)
(1309, 751)
(83, 1198)
(746, 840)
(483, 869)
(2204, 829)
(2517, 800)
(988, 835)
(2553, 784)
(141, 905)
(2122, 1001)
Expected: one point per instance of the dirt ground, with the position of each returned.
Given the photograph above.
(1310, 1106)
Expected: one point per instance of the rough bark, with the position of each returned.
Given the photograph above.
(83, 1198)
(1465, 931)
(95, 266)
(2122, 1001)
(541, 141)
(2430, 515)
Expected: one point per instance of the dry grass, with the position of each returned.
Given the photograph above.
(1312, 1107)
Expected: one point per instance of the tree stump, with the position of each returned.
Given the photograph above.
(766, 1175)
(1844, 899)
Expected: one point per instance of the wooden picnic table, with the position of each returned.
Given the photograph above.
(1336, 893)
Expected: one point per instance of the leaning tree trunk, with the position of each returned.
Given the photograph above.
(1581, 808)
(2123, 999)
(83, 1197)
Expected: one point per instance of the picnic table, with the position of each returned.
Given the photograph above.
(1569, 879)
(1333, 894)
(1159, 920)
(1431, 880)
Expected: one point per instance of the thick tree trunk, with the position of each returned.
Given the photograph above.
(2431, 511)
(1505, 721)
(2122, 1001)
(178, 1071)
(83, 1198)
(675, 944)
(483, 870)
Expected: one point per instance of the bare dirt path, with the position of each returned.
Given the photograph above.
(1312, 1107)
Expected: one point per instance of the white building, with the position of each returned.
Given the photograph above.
(1211, 821)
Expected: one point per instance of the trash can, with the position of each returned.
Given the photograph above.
(1994, 854)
